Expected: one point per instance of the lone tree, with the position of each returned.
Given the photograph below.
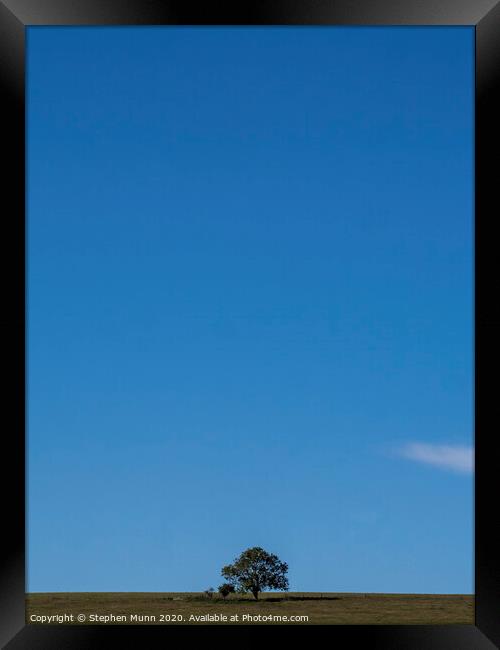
(255, 570)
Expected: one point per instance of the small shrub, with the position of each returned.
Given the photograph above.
(225, 589)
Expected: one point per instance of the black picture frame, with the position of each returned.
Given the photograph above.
(484, 16)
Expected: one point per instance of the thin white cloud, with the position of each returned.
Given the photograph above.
(456, 458)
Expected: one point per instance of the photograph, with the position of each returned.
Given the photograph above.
(251, 279)
(249, 316)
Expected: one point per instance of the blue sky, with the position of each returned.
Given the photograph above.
(250, 306)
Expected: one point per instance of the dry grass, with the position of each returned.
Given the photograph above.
(321, 608)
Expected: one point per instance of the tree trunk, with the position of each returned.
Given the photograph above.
(255, 593)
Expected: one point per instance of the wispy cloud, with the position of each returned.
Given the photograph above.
(456, 458)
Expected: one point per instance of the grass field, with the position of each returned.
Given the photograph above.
(195, 609)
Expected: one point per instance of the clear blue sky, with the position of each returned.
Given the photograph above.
(250, 306)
